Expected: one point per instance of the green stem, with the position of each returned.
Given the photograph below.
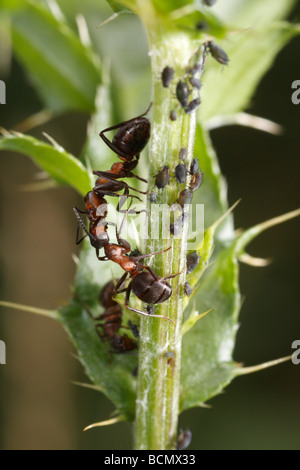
(160, 340)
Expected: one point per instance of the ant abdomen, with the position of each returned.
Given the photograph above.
(151, 290)
(132, 137)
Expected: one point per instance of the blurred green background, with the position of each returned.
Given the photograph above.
(40, 406)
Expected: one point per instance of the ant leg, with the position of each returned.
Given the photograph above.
(82, 225)
(104, 192)
(109, 177)
(140, 312)
(123, 243)
(153, 273)
(81, 212)
(150, 254)
(132, 175)
(77, 234)
(86, 308)
(174, 275)
(103, 258)
(119, 283)
(122, 201)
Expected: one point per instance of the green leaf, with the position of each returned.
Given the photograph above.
(207, 364)
(111, 373)
(120, 6)
(63, 167)
(166, 6)
(64, 71)
(254, 14)
(251, 54)
(213, 190)
(96, 153)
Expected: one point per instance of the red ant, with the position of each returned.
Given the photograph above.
(110, 321)
(96, 210)
(129, 140)
(145, 283)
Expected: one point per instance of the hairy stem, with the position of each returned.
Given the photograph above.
(160, 340)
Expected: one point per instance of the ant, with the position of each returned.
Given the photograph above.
(96, 210)
(131, 136)
(129, 140)
(145, 283)
(110, 321)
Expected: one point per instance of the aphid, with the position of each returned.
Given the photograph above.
(218, 53)
(184, 197)
(196, 180)
(173, 115)
(153, 197)
(162, 178)
(182, 153)
(150, 309)
(166, 76)
(192, 261)
(180, 173)
(201, 26)
(194, 166)
(184, 439)
(187, 289)
(134, 329)
(192, 106)
(196, 83)
(182, 93)
(170, 356)
(176, 226)
(194, 69)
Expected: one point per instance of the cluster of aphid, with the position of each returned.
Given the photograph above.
(184, 197)
(190, 82)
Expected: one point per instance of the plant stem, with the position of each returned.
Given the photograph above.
(160, 340)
